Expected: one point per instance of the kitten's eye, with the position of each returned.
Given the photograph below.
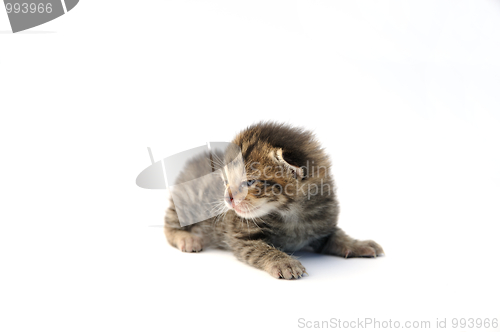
(248, 183)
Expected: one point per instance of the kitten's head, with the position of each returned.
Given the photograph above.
(265, 174)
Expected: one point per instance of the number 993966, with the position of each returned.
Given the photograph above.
(28, 7)
(474, 323)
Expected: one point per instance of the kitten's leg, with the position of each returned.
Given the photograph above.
(341, 244)
(263, 256)
(182, 238)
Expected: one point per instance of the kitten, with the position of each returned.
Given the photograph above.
(280, 198)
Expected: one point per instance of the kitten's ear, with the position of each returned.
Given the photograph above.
(295, 171)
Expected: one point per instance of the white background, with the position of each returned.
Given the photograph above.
(404, 96)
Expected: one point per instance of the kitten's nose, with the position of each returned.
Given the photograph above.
(229, 197)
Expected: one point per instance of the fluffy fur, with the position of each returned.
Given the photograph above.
(280, 199)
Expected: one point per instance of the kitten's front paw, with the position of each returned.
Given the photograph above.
(289, 268)
(189, 243)
(366, 248)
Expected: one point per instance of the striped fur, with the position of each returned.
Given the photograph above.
(264, 223)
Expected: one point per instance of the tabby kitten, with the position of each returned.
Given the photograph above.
(280, 198)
